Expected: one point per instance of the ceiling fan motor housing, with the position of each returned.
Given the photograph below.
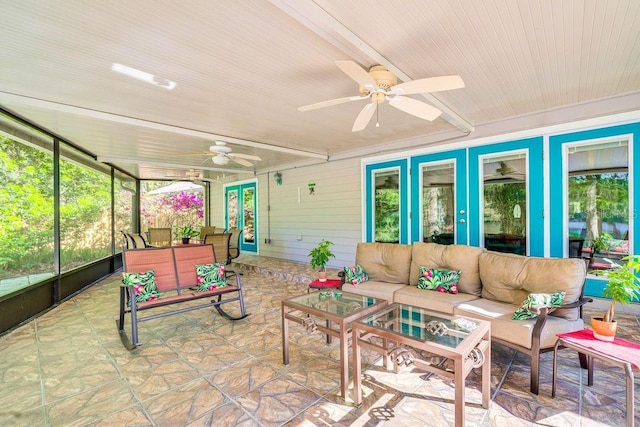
(384, 78)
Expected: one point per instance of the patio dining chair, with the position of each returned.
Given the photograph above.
(159, 237)
(206, 230)
(234, 244)
(220, 242)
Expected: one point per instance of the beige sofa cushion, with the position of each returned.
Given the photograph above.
(448, 257)
(375, 289)
(510, 278)
(431, 300)
(385, 262)
(517, 332)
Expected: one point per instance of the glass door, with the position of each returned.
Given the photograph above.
(439, 202)
(241, 213)
(506, 194)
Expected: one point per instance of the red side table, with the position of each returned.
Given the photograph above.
(619, 352)
(329, 283)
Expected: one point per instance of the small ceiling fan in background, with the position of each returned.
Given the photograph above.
(380, 84)
(221, 155)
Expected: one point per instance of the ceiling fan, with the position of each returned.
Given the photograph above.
(221, 154)
(379, 85)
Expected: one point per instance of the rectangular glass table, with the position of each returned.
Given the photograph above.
(401, 329)
(332, 313)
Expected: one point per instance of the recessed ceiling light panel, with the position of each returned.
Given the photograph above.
(143, 76)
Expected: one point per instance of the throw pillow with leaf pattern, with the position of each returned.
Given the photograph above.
(144, 285)
(355, 275)
(529, 307)
(439, 280)
(211, 276)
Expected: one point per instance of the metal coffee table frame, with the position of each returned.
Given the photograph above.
(338, 310)
(473, 348)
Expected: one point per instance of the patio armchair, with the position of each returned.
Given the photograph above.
(159, 237)
(133, 240)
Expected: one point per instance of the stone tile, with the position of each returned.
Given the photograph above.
(277, 401)
(243, 376)
(229, 414)
(11, 416)
(149, 380)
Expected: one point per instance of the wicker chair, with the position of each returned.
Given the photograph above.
(159, 237)
(220, 242)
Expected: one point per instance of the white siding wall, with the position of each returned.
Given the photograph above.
(333, 212)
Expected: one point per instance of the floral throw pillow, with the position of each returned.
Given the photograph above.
(144, 285)
(529, 307)
(355, 275)
(439, 280)
(210, 276)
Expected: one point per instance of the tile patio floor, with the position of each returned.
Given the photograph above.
(68, 368)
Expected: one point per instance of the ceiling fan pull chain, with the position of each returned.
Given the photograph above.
(377, 121)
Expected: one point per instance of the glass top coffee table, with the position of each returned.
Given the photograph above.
(399, 328)
(335, 310)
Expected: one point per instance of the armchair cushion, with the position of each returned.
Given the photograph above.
(144, 285)
(439, 280)
(533, 302)
(355, 275)
(210, 276)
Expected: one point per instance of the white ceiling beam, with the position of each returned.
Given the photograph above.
(144, 162)
(132, 121)
(314, 17)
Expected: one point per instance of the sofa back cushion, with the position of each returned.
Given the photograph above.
(511, 278)
(448, 257)
(385, 262)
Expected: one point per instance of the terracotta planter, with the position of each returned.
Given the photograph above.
(604, 331)
(322, 276)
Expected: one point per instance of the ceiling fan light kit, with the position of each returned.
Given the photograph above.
(380, 84)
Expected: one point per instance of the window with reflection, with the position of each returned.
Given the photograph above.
(505, 203)
(26, 209)
(598, 202)
(232, 208)
(387, 206)
(438, 203)
(85, 209)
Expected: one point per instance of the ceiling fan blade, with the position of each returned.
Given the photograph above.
(415, 107)
(246, 156)
(242, 162)
(364, 117)
(331, 102)
(430, 84)
(358, 74)
(201, 153)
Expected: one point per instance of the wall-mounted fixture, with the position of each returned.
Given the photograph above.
(312, 187)
(278, 177)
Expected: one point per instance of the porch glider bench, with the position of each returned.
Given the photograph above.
(176, 280)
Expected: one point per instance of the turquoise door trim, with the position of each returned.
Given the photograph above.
(460, 159)
(535, 189)
(369, 222)
(244, 245)
(558, 212)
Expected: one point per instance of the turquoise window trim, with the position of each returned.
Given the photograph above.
(460, 159)
(557, 212)
(369, 222)
(535, 189)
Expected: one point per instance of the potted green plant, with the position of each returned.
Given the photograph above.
(320, 256)
(623, 286)
(597, 244)
(186, 233)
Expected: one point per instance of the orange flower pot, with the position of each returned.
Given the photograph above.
(604, 331)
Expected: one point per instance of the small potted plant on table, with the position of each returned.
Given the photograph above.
(320, 257)
(186, 233)
(623, 286)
